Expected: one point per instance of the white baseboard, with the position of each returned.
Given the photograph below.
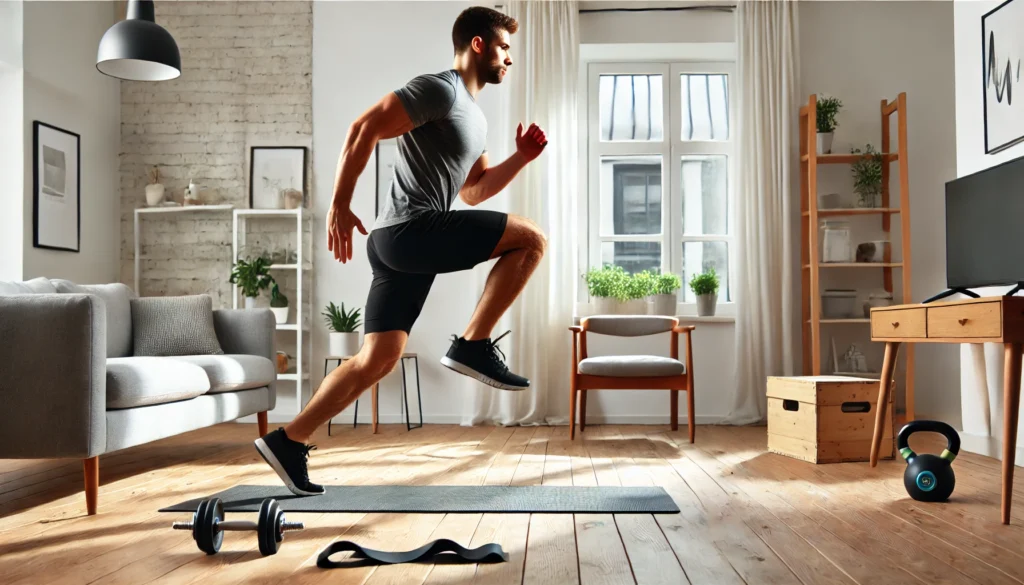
(454, 419)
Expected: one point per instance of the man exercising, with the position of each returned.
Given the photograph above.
(441, 135)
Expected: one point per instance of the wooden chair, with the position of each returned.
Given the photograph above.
(630, 372)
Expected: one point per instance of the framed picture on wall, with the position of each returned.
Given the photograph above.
(1002, 55)
(387, 156)
(56, 191)
(277, 177)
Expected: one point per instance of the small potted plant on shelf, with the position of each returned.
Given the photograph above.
(639, 288)
(867, 177)
(705, 286)
(252, 277)
(827, 110)
(605, 286)
(343, 339)
(278, 304)
(665, 295)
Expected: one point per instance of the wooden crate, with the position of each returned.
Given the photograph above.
(826, 419)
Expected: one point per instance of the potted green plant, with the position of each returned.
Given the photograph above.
(252, 277)
(827, 110)
(605, 287)
(639, 288)
(278, 304)
(705, 287)
(867, 177)
(343, 338)
(664, 294)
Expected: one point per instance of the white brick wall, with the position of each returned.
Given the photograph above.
(246, 81)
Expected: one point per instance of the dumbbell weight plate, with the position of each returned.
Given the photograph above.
(204, 529)
(268, 529)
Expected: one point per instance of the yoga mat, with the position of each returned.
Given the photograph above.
(449, 499)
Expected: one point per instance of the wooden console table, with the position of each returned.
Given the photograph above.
(983, 320)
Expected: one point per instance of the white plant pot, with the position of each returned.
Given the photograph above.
(343, 344)
(154, 194)
(706, 305)
(633, 307)
(825, 142)
(605, 306)
(250, 302)
(664, 304)
(280, 314)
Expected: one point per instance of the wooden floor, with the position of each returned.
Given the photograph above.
(747, 516)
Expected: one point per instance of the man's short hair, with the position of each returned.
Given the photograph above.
(483, 22)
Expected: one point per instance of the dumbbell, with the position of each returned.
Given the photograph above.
(208, 526)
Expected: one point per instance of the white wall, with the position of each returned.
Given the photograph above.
(882, 49)
(981, 366)
(692, 26)
(11, 157)
(64, 89)
(362, 51)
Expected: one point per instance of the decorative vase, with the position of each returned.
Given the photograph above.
(664, 304)
(825, 142)
(154, 194)
(280, 314)
(250, 302)
(343, 344)
(706, 305)
(282, 362)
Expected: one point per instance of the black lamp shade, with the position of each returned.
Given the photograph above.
(138, 49)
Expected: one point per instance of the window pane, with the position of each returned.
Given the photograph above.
(631, 107)
(630, 195)
(699, 256)
(633, 257)
(705, 106)
(703, 181)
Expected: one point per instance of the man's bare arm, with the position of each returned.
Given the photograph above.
(485, 182)
(386, 119)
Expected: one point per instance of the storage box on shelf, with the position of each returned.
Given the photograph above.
(825, 419)
(833, 248)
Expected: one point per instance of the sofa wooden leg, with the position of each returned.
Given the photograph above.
(261, 420)
(91, 469)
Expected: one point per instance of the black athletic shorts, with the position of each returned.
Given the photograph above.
(406, 257)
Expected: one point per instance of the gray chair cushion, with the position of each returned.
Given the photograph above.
(629, 325)
(174, 326)
(117, 299)
(631, 366)
(231, 372)
(27, 287)
(142, 381)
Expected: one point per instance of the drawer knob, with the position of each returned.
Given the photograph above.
(962, 322)
(895, 324)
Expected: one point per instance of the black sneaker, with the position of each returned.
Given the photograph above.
(288, 459)
(479, 359)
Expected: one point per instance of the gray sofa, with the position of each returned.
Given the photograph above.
(71, 386)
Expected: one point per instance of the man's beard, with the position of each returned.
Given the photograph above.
(494, 74)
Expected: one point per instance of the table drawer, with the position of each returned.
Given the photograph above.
(898, 323)
(974, 320)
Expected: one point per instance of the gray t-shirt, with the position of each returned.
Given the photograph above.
(435, 157)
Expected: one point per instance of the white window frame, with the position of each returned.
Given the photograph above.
(670, 149)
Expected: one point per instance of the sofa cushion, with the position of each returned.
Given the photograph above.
(632, 366)
(231, 372)
(142, 381)
(28, 287)
(117, 299)
(174, 326)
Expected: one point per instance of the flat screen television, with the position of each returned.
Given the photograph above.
(985, 227)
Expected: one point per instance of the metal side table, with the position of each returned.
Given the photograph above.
(376, 387)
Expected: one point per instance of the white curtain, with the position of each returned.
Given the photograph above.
(766, 36)
(543, 84)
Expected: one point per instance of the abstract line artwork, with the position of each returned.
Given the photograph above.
(1002, 53)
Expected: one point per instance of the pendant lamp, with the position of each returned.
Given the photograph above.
(137, 48)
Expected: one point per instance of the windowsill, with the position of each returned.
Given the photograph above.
(683, 319)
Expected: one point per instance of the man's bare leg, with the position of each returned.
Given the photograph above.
(376, 358)
(521, 249)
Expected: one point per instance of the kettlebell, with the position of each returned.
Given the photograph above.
(929, 478)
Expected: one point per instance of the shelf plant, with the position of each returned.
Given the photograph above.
(251, 276)
(827, 111)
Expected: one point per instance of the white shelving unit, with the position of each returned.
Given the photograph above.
(241, 216)
(162, 211)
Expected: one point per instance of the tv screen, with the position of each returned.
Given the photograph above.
(985, 227)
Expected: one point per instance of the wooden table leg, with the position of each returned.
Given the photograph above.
(884, 388)
(376, 387)
(1011, 403)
